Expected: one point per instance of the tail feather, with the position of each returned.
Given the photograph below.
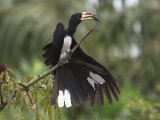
(73, 86)
(67, 84)
(81, 89)
(70, 82)
(84, 82)
(82, 73)
(57, 85)
(73, 77)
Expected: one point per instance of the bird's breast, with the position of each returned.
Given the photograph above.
(66, 46)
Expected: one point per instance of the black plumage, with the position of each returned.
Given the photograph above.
(81, 70)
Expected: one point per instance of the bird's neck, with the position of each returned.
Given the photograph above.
(71, 29)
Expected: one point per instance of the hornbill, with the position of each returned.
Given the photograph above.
(81, 78)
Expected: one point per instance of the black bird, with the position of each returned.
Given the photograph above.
(81, 78)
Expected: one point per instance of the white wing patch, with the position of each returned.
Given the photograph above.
(91, 81)
(60, 99)
(95, 79)
(64, 97)
(66, 46)
(67, 98)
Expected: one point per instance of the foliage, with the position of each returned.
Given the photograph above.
(13, 96)
(140, 109)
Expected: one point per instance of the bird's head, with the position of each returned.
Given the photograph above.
(88, 16)
(79, 17)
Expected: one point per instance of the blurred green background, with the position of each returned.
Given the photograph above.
(126, 41)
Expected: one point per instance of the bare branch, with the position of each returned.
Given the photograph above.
(38, 78)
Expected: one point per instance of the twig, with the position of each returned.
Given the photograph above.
(29, 94)
(38, 78)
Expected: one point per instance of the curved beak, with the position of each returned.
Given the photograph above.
(89, 16)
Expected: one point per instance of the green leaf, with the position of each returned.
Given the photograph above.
(37, 113)
(57, 110)
(50, 112)
(46, 105)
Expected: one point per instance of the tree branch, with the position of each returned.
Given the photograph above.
(38, 78)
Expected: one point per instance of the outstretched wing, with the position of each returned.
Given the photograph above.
(52, 50)
(110, 87)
